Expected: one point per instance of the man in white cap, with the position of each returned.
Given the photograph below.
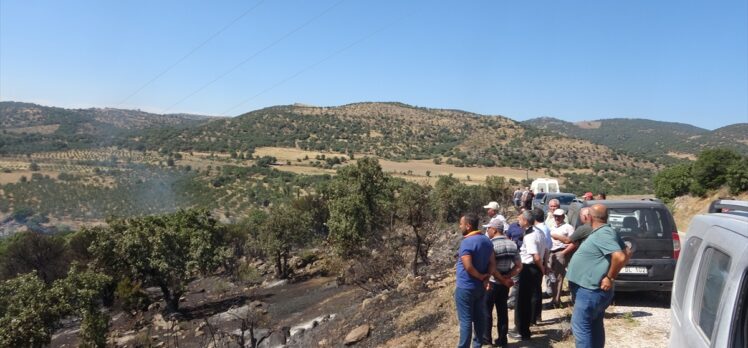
(493, 214)
(560, 254)
(508, 264)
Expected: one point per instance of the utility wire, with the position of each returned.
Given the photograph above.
(314, 65)
(271, 45)
(191, 52)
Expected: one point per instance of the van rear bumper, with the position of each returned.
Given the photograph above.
(644, 285)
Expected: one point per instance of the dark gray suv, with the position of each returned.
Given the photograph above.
(649, 229)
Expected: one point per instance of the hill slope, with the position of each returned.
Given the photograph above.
(393, 131)
(30, 127)
(652, 139)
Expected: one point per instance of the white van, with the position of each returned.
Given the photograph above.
(709, 303)
(547, 185)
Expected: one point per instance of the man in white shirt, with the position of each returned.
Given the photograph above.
(529, 295)
(560, 254)
(493, 214)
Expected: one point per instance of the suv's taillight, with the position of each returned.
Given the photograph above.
(676, 245)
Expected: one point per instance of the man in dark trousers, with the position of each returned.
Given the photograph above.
(508, 264)
(475, 264)
(530, 278)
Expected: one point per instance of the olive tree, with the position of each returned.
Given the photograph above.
(166, 251)
(358, 201)
(30, 310)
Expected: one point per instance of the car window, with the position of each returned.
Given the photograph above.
(552, 187)
(565, 200)
(714, 271)
(739, 332)
(648, 223)
(684, 268)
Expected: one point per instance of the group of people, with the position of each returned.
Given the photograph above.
(523, 198)
(502, 266)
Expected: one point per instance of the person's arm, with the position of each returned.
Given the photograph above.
(467, 262)
(538, 262)
(570, 247)
(617, 261)
(517, 267)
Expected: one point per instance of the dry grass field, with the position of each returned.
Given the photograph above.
(411, 170)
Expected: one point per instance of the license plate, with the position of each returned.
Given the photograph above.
(634, 270)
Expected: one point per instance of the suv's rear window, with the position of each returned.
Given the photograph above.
(565, 200)
(643, 223)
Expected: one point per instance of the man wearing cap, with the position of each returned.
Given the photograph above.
(560, 254)
(587, 196)
(493, 214)
(553, 204)
(517, 196)
(508, 264)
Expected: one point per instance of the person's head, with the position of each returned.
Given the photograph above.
(526, 219)
(585, 216)
(553, 204)
(469, 222)
(493, 208)
(599, 213)
(558, 216)
(538, 215)
(600, 196)
(587, 196)
(494, 228)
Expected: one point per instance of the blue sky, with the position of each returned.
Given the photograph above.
(679, 61)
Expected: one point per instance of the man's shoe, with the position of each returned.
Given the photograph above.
(517, 336)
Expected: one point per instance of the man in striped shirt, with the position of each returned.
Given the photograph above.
(508, 264)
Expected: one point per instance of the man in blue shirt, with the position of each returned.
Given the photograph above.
(475, 265)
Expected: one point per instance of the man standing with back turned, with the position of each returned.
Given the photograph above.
(592, 274)
(475, 265)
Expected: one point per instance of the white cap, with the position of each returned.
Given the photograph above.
(492, 205)
(559, 212)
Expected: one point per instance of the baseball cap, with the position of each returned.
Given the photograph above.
(492, 205)
(559, 212)
(495, 223)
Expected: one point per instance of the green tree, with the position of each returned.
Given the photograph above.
(166, 251)
(30, 310)
(29, 313)
(673, 182)
(359, 198)
(710, 169)
(737, 176)
(31, 251)
(82, 291)
(284, 229)
(449, 199)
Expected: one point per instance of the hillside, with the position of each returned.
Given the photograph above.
(393, 131)
(648, 138)
(31, 128)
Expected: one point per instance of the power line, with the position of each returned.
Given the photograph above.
(195, 49)
(271, 45)
(314, 65)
